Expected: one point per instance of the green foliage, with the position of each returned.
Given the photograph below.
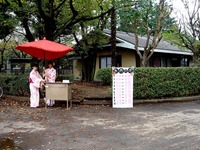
(69, 77)
(53, 18)
(161, 82)
(166, 82)
(144, 13)
(19, 85)
(15, 85)
(105, 75)
(6, 21)
(90, 41)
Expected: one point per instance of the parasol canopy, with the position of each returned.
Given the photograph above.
(44, 49)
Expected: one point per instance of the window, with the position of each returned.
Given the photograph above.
(184, 61)
(105, 62)
(175, 61)
(155, 62)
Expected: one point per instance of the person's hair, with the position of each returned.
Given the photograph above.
(50, 62)
(34, 65)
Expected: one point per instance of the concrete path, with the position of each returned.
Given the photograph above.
(164, 126)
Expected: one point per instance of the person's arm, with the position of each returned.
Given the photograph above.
(43, 72)
(46, 75)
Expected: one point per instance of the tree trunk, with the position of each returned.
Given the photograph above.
(113, 35)
(22, 68)
(142, 62)
(89, 65)
(83, 68)
(195, 60)
(2, 58)
(143, 59)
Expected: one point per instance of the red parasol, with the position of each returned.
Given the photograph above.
(44, 49)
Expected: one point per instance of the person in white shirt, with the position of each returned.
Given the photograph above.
(50, 76)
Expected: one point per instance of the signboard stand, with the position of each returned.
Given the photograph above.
(122, 87)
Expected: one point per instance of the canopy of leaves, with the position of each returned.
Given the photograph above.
(146, 14)
(92, 40)
(6, 22)
(54, 18)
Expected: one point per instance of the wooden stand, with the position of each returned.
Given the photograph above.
(59, 92)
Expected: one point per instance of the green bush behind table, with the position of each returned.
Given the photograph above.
(152, 83)
(19, 85)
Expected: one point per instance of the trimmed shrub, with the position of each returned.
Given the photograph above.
(160, 82)
(166, 82)
(14, 84)
(19, 85)
(105, 75)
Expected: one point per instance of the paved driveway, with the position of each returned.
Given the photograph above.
(167, 126)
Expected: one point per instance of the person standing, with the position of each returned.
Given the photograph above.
(36, 82)
(50, 76)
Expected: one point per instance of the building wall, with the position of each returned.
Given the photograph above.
(128, 58)
(77, 69)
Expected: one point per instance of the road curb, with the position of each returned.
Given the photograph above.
(176, 99)
(135, 101)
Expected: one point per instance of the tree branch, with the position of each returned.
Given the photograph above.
(51, 8)
(25, 23)
(74, 21)
(136, 38)
(75, 13)
(147, 30)
(41, 11)
(58, 7)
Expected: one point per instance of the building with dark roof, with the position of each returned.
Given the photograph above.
(165, 55)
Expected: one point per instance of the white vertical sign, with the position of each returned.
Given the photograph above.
(122, 87)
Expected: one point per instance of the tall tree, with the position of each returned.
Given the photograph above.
(87, 48)
(148, 19)
(7, 48)
(53, 18)
(186, 33)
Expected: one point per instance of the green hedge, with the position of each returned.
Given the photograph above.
(104, 74)
(164, 82)
(18, 84)
(15, 84)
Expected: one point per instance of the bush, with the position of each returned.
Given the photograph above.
(19, 85)
(161, 82)
(105, 75)
(69, 77)
(166, 82)
(15, 85)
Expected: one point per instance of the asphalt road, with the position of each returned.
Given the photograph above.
(166, 126)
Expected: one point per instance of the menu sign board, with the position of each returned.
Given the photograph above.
(122, 87)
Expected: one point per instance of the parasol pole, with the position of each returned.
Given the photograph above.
(44, 57)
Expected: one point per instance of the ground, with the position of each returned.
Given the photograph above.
(83, 90)
(163, 126)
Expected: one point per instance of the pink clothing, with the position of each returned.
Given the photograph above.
(51, 75)
(34, 88)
